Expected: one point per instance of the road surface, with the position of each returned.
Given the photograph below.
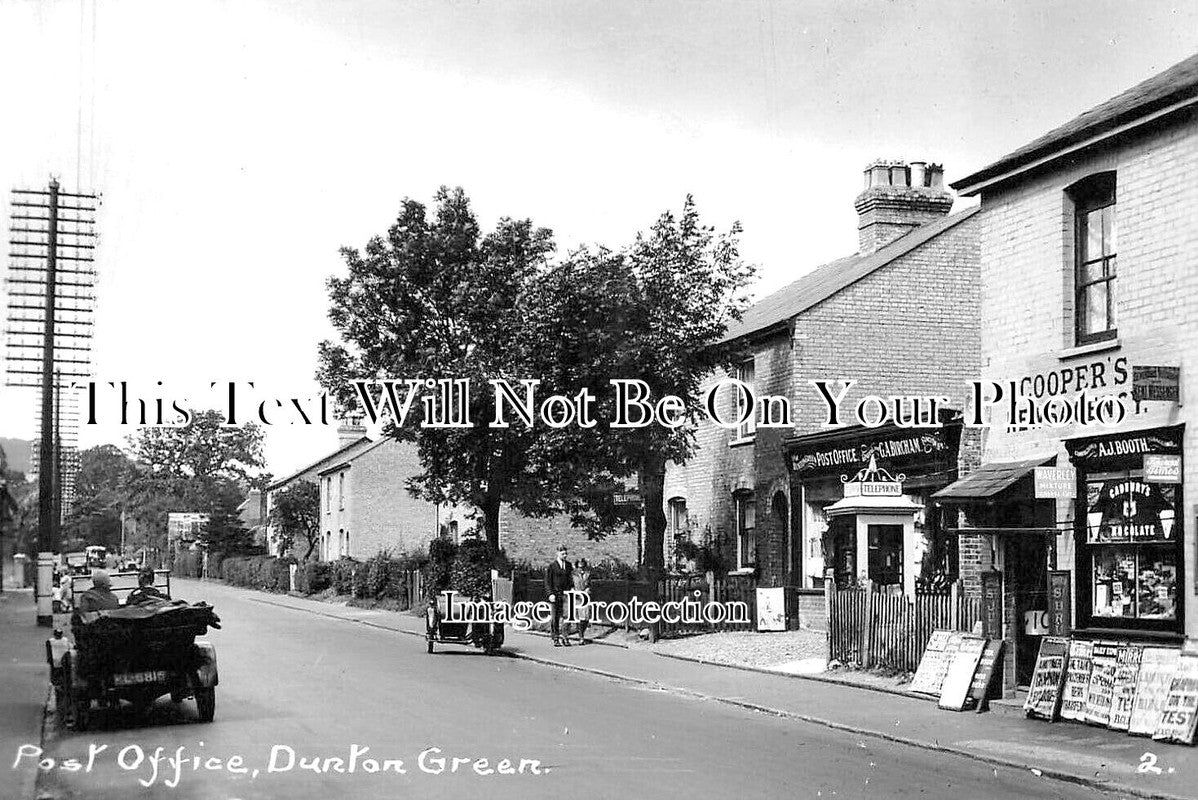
(312, 707)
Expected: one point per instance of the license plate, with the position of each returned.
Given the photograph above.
(134, 678)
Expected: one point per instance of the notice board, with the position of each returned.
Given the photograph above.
(1127, 670)
(1157, 667)
(1044, 695)
(955, 688)
(1077, 681)
(929, 676)
(1180, 711)
(1099, 693)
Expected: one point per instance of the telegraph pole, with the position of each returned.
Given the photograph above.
(49, 316)
(47, 541)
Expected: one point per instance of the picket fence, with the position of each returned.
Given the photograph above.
(868, 627)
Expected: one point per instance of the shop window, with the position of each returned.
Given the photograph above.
(1096, 248)
(745, 373)
(746, 530)
(1132, 536)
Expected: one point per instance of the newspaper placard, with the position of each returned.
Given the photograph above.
(955, 687)
(1044, 696)
(1101, 690)
(1127, 669)
(1157, 667)
(983, 677)
(1077, 681)
(929, 677)
(1180, 712)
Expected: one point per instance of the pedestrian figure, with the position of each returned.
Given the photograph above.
(559, 579)
(582, 588)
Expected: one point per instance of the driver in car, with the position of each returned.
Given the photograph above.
(146, 592)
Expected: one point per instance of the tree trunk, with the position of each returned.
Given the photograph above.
(490, 509)
(653, 484)
(652, 479)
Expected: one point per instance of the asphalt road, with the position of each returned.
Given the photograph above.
(297, 684)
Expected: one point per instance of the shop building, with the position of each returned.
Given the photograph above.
(899, 317)
(1083, 510)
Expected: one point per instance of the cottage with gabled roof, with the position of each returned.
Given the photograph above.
(898, 317)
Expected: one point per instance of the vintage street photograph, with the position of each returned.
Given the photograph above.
(640, 398)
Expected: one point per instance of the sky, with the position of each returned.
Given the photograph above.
(238, 144)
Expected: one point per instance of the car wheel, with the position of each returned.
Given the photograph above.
(206, 703)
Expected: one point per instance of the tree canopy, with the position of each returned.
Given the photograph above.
(436, 298)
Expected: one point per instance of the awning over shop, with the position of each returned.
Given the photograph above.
(989, 480)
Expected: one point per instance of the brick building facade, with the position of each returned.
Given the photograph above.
(1089, 288)
(898, 317)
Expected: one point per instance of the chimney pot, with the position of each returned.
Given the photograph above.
(898, 174)
(919, 173)
(936, 176)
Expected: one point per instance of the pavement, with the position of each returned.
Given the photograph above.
(1089, 756)
(25, 682)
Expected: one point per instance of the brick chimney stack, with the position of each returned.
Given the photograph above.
(899, 197)
(349, 431)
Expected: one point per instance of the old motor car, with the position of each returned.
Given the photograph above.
(137, 654)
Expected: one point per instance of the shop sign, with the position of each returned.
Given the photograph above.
(1060, 609)
(1155, 383)
(1035, 623)
(899, 449)
(1055, 482)
(1137, 443)
(992, 604)
(873, 489)
(1159, 468)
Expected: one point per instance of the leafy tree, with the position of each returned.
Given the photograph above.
(102, 488)
(201, 467)
(205, 448)
(295, 517)
(435, 298)
(655, 313)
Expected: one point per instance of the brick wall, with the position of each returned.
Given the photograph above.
(382, 515)
(1027, 295)
(534, 541)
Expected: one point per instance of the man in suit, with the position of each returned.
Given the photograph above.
(559, 579)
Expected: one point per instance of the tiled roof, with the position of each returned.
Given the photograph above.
(316, 466)
(1179, 82)
(825, 281)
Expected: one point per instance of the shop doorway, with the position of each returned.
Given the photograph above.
(1026, 559)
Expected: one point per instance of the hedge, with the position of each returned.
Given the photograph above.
(257, 572)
